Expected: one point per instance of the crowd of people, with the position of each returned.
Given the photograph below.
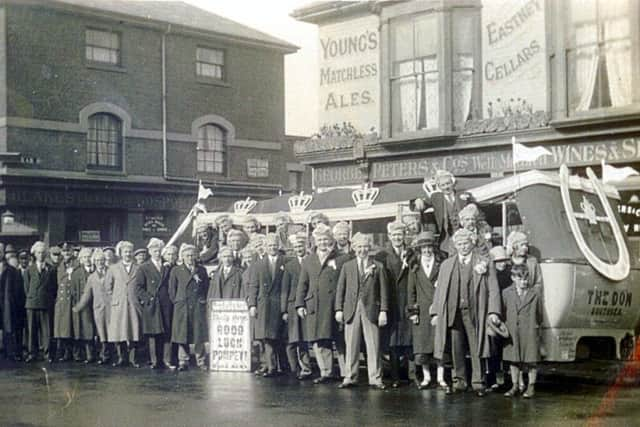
(438, 299)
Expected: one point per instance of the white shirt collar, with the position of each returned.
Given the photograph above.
(464, 259)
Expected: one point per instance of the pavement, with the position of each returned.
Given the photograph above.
(72, 394)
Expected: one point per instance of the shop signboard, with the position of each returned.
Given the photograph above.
(90, 236)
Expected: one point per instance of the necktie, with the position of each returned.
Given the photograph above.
(273, 266)
(361, 266)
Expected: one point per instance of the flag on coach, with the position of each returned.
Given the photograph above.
(523, 154)
(614, 174)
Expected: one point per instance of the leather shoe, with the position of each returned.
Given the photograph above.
(481, 393)
(422, 386)
(118, 363)
(380, 386)
(395, 384)
(154, 366)
(135, 365)
(182, 368)
(303, 377)
(530, 392)
(259, 372)
(321, 380)
(448, 390)
(29, 359)
(346, 385)
(269, 374)
(50, 360)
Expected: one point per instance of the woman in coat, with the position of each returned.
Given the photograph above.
(124, 324)
(188, 288)
(422, 278)
(96, 294)
(83, 330)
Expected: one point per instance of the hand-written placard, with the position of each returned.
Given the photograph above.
(229, 335)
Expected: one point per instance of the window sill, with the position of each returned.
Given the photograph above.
(598, 117)
(430, 135)
(98, 171)
(105, 67)
(212, 82)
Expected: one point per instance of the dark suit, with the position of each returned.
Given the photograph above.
(445, 214)
(228, 286)
(41, 290)
(297, 351)
(13, 315)
(264, 294)
(361, 295)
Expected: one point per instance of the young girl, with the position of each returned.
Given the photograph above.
(522, 309)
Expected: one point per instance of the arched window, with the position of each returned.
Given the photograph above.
(212, 141)
(104, 141)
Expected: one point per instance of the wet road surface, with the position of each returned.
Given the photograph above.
(79, 395)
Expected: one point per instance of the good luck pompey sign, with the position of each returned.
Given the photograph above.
(229, 335)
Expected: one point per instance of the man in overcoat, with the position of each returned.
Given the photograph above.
(152, 292)
(227, 280)
(264, 300)
(362, 304)
(315, 298)
(296, 349)
(188, 288)
(466, 297)
(124, 323)
(12, 311)
(83, 322)
(395, 258)
(62, 319)
(41, 290)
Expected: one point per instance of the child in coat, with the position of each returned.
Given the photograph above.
(522, 309)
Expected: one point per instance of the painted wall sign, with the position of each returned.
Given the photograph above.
(514, 55)
(229, 336)
(350, 73)
(473, 163)
(154, 224)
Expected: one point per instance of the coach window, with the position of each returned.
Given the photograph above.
(104, 142)
(212, 147)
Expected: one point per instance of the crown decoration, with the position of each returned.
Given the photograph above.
(243, 207)
(364, 197)
(299, 202)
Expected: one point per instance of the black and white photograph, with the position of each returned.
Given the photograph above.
(319, 213)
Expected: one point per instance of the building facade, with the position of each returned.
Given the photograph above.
(447, 84)
(112, 111)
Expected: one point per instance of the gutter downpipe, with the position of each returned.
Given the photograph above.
(165, 172)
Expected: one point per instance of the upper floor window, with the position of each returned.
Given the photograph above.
(103, 46)
(210, 63)
(212, 141)
(599, 54)
(258, 168)
(104, 141)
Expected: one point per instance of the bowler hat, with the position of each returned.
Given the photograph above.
(426, 238)
(499, 329)
(139, 251)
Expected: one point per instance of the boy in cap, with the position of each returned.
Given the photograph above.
(362, 304)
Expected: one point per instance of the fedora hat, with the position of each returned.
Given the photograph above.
(496, 330)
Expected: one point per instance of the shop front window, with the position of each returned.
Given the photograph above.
(599, 54)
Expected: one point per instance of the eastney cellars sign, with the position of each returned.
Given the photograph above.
(485, 162)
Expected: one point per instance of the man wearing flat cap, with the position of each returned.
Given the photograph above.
(396, 260)
(362, 305)
(264, 301)
(152, 292)
(466, 297)
(341, 232)
(140, 255)
(315, 299)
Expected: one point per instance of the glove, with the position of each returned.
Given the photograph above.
(285, 317)
(382, 319)
(415, 319)
(339, 316)
(434, 320)
(302, 312)
(253, 311)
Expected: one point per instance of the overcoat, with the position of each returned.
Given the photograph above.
(96, 293)
(12, 299)
(370, 288)
(484, 300)
(317, 293)
(421, 291)
(399, 327)
(295, 325)
(63, 316)
(523, 318)
(124, 321)
(83, 325)
(230, 286)
(152, 294)
(41, 288)
(188, 292)
(264, 294)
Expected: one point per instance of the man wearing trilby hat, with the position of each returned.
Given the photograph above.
(362, 305)
(152, 292)
(466, 298)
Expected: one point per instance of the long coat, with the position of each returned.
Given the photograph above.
(230, 286)
(152, 293)
(421, 291)
(12, 300)
(83, 326)
(124, 321)
(370, 288)
(188, 292)
(399, 327)
(295, 325)
(96, 293)
(484, 300)
(63, 316)
(523, 318)
(264, 294)
(317, 292)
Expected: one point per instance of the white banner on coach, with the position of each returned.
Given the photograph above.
(229, 335)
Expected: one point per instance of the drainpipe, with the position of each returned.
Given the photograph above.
(165, 171)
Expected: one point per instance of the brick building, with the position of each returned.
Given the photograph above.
(111, 111)
(434, 84)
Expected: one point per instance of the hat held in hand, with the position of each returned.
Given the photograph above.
(498, 329)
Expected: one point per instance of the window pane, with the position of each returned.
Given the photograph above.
(426, 36)
(402, 39)
(104, 140)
